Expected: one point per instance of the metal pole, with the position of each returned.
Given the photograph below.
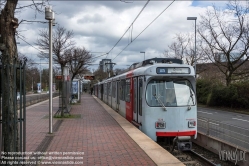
(194, 18)
(40, 76)
(144, 53)
(50, 79)
(195, 48)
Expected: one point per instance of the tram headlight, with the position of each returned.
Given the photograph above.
(191, 124)
(160, 125)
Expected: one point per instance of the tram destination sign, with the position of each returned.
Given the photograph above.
(172, 70)
(89, 77)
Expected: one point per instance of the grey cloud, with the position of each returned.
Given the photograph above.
(96, 18)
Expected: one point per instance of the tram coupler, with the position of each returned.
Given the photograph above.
(184, 143)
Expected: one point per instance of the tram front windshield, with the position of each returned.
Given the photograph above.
(170, 93)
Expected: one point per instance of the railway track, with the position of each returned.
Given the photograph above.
(192, 158)
(203, 159)
(198, 156)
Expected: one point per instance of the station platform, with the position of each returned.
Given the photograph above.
(94, 135)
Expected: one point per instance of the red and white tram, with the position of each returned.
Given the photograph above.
(158, 96)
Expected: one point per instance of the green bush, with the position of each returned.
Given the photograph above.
(242, 100)
(223, 96)
(235, 95)
(203, 89)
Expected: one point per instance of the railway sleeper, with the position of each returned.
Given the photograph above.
(190, 162)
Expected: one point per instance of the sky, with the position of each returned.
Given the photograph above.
(98, 25)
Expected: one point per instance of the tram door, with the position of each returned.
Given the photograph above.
(118, 95)
(140, 99)
(108, 92)
(135, 116)
(137, 100)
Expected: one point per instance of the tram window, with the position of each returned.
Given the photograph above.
(122, 90)
(153, 90)
(154, 95)
(170, 93)
(104, 89)
(114, 89)
(109, 89)
(127, 90)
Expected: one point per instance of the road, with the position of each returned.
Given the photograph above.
(236, 119)
(229, 126)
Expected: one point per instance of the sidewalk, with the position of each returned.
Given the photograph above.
(92, 138)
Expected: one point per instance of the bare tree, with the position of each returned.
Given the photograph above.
(179, 46)
(79, 59)
(191, 56)
(119, 71)
(100, 75)
(9, 56)
(225, 34)
(32, 77)
(8, 48)
(184, 48)
(62, 42)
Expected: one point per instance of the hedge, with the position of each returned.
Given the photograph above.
(235, 95)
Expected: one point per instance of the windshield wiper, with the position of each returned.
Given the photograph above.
(160, 102)
(191, 96)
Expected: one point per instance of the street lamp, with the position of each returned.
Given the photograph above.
(194, 18)
(49, 15)
(144, 53)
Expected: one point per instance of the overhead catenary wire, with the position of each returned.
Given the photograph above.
(43, 52)
(30, 44)
(99, 56)
(128, 27)
(144, 29)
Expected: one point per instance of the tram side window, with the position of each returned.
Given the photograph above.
(106, 92)
(105, 87)
(122, 90)
(153, 97)
(114, 89)
(109, 89)
(127, 90)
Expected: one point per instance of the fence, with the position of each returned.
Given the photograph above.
(12, 111)
(235, 135)
(30, 100)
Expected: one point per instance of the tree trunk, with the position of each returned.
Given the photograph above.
(228, 79)
(63, 92)
(8, 24)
